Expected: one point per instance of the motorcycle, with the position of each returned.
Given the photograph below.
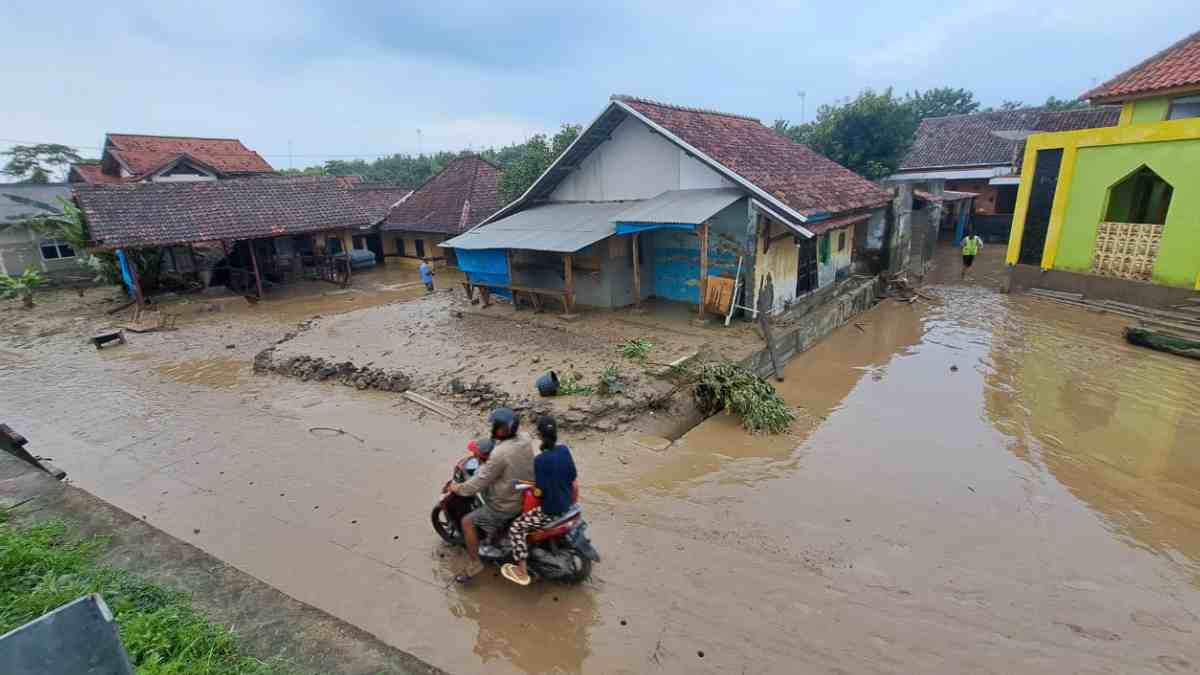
(559, 551)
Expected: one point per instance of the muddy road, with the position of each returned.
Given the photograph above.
(986, 483)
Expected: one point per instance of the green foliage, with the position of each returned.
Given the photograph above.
(1056, 104)
(729, 387)
(537, 154)
(635, 349)
(867, 135)
(611, 382)
(941, 101)
(42, 568)
(22, 286)
(35, 162)
(572, 385)
(65, 221)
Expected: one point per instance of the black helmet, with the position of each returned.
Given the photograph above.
(504, 417)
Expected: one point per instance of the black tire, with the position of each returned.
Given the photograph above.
(446, 527)
(582, 567)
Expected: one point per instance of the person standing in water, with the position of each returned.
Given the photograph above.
(554, 478)
(971, 246)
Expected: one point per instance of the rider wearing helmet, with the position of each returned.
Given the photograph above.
(511, 461)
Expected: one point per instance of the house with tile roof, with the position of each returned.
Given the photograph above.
(135, 158)
(1115, 212)
(21, 247)
(265, 230)
(659, 201)
(980, 154)
(449, 203)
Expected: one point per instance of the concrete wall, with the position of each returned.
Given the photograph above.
(635, 163)
(391, 245)
(20, 249)
(1149, 110)
(819, 320)
(1024, 277)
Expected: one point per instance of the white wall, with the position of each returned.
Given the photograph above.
(635, 163)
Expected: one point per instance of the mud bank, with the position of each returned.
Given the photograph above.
(308, 368)
(271, 624)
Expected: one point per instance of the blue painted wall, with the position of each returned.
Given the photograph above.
(675, 255)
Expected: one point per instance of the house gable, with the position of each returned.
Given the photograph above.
(635, 163)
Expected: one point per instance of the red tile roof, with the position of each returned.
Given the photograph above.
(1175, 68)
(820, 227)
(90, 173)
(136, 215)
(800, 178)
(143, 154)
(456, 199)
(378, 198)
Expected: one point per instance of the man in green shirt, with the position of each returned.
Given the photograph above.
(971, 246)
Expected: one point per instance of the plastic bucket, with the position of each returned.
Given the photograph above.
(547, 385)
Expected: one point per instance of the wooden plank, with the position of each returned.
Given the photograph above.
(637, 272)
(444, 411)
(254, 264)
(569, 283)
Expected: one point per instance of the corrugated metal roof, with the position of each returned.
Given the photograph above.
(563, 227)
(690, 207)
(566, 227)
(11, 210)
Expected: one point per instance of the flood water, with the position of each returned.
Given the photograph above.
(980, 483)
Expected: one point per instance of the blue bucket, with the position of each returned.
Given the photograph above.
(547, 385)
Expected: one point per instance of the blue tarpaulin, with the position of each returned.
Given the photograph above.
(124, 264)
(634, 228)
(488, 266)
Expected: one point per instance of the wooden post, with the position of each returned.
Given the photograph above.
(254, 263)
(137, 285)
(637, 272)
(569, 281)
(703, 265)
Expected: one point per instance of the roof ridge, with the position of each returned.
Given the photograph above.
(1160, 54)
(1037, 108)
(707, 111)
(180, 138)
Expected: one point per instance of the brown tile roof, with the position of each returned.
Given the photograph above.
(970, 140)
(820, 227)
(800, 178)
(1175, 68)
(136, 215)
(438, 205)
(144, 154)
(378, 198)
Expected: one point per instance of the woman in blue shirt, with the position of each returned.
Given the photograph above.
(554, 476)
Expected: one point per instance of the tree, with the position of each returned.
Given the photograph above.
(531, 161)
(34, 163)
(22, 286)
(941, 101)
(867, 135)
(1056, 104)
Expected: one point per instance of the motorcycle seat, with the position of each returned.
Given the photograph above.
(571, 513)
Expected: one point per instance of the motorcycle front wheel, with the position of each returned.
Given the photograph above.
(446, 527)
(581, 568)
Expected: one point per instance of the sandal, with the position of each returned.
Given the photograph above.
(513, 574)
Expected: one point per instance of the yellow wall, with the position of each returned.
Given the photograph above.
(432, 250)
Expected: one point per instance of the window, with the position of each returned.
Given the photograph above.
(420, 245)
(400, 246)
(1184, 107)
(360, 242)
(1140, 197)
(824, 252)
(1006, 199)
(841, 241)
(55, 249)
(333, 245)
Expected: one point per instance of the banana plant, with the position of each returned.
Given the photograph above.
(22, 286)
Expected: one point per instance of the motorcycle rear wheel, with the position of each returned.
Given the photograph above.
(446, 527)
(581, 569)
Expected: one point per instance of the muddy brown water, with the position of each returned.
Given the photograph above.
(984, 483)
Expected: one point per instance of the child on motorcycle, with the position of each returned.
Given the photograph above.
(554, 478)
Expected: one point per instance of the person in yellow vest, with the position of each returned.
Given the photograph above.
(971, 246)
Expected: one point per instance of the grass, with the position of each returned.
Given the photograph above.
(42, 567)
(635, 349)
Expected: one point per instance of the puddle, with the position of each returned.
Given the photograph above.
(217, 373)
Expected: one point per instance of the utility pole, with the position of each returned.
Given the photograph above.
(803, 100)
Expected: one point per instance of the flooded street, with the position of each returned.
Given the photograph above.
(982, 483)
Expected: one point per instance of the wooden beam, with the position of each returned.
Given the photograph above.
(637, 272)
(254, 263)
(703, 265)
(569, 281)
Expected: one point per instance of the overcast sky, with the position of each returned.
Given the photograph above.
(360, 78)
